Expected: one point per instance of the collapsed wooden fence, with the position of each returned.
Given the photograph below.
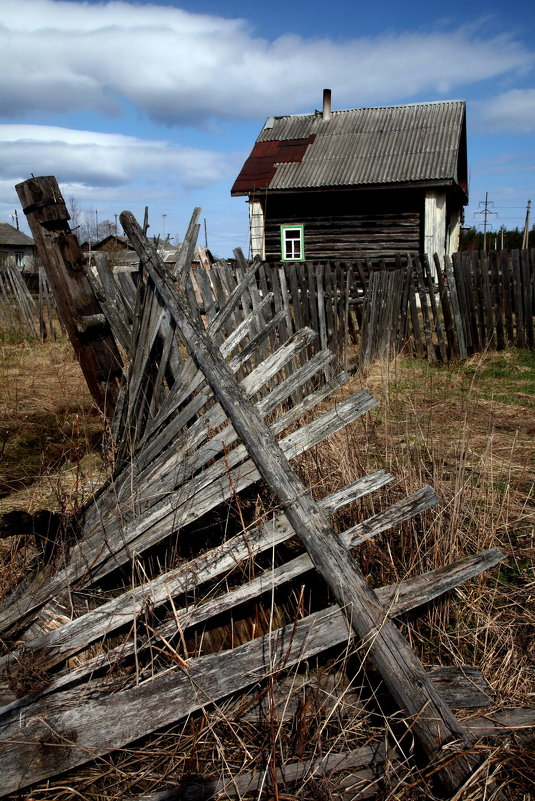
(211, 401)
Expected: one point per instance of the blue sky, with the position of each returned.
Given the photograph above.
(133, 103)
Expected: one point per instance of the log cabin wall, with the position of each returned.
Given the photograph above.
(349, 224)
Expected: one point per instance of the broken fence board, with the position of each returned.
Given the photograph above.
(495, 724)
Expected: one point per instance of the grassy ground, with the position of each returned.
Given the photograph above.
(467, 430)
(50, 431)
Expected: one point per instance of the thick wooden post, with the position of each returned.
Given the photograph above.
(78, 308)
(431, 719)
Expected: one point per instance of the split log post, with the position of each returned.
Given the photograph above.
(78, 308)
(402, 672)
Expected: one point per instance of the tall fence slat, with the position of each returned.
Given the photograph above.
(527, 295)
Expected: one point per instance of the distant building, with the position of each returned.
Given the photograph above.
(112, 243)
(368, 182)
(16, 249)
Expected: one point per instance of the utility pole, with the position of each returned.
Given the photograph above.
(525, 238)
(164, 216)
(485, 211)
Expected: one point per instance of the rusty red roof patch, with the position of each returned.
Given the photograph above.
(259, 169)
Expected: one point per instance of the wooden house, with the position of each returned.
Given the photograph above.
(365, 182)
(16, 249)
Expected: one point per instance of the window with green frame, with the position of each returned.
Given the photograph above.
(292, 242)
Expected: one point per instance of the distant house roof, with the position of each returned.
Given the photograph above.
(422, 142)
(114, 240)
(11, 236)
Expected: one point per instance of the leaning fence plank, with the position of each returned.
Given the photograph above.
(446, 306)
(486, 299)
(434, 309)
(497, 285)
(452, 286)
(402, 672)
(298, 298)
(310, 268)
(187, 249)
(415, 317)
(508, 299)
(517, 299)
(420, 284)
(527, 296)
(107, 293)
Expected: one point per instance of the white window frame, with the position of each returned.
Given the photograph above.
(293, 245)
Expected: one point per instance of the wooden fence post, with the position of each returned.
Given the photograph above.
(78, 308)
(431, 719)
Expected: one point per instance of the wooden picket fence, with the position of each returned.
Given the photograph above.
(361, 311)
(438, 310)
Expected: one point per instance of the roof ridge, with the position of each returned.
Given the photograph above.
(317, 113)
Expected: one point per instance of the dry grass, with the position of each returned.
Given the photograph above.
(49, 428)
(466, 430)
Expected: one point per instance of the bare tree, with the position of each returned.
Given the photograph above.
(85, 223)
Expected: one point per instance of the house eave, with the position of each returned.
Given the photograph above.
(447, 184)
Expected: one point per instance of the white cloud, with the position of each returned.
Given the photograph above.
(182, 67)
(511, 112)
(105, 160)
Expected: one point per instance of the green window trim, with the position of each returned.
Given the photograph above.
(292, 242)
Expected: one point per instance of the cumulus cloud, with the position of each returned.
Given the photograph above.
(181, 67)
(511, 112)
(104, 160)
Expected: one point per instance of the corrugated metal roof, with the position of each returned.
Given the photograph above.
(391, 144)
(9, 235)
